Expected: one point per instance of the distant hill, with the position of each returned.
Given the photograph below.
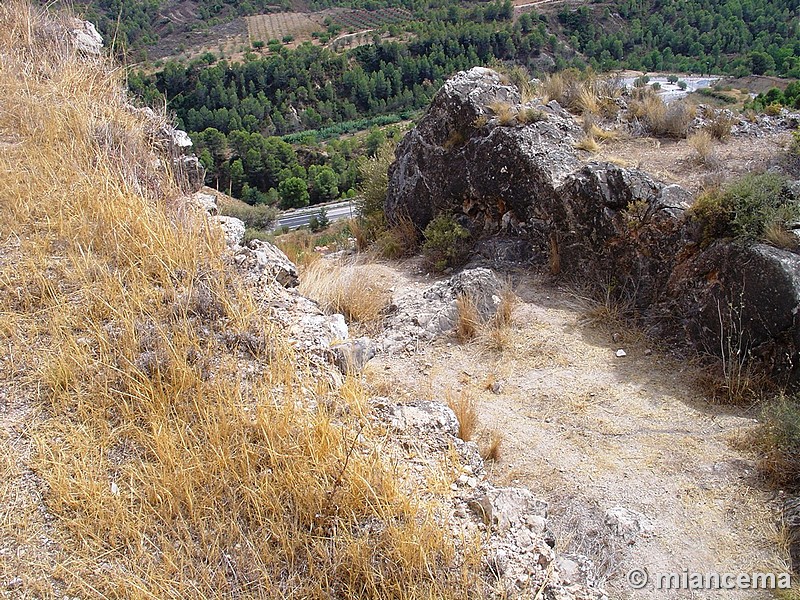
(740, 37)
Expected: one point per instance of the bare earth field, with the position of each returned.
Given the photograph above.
(675, 161)
(587, 431)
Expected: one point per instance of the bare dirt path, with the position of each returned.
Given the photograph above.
(588, 431)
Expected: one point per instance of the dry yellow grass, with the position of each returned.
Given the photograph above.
(505, 113)
(779, 236)
(589, 144)
(298, 246)
(492, 450)
(497, 333)
(358, 291)
(399, 241)
(468, 320)
(464, 406)
(702, 142)
(166, 474)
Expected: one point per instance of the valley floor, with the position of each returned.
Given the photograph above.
(587, 431)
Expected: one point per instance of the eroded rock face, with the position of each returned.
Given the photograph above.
(618, 228)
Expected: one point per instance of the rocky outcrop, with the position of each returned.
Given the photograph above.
(506, 175)
(85, 37)
(520, 553)
(423, 316)
(741, 301)
(460, 158)
(232, 228)
(266, 262)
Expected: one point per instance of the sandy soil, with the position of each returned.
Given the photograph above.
(587, 431)
(675, 161)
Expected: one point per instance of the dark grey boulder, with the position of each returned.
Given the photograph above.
(610, 226)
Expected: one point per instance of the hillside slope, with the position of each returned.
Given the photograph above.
(159, 437)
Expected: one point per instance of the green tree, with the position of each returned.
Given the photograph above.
(237, 178)
(326, 185)
(375, 139)
(761, 62)
(293, 192)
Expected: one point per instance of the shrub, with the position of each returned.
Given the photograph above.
(446, 242)
(531, 115)
(319, 221)
(259, 217)
(660, 119)
(399, 241)
(720, 125)
(746, 208)
(779, 436)
(374, 185)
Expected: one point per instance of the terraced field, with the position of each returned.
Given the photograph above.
(300, 25)
(359, 20)
(275, 26)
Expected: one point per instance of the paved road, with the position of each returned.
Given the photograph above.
(299, 217)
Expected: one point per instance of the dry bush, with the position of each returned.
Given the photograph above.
(353, 290)
(505, 310)
(468, 319)
(702, 142)
(591, 129)
(163, 471)
(455, 140)
(720, 125)
(660, 119)
(520, 77)
(586, 99)
(399, 241)
(492, 451)
(465, 408)
(582, 92)
(497, 332)
(553, 87)
(605, 135)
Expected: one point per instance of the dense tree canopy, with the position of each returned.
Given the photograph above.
(730, 36)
